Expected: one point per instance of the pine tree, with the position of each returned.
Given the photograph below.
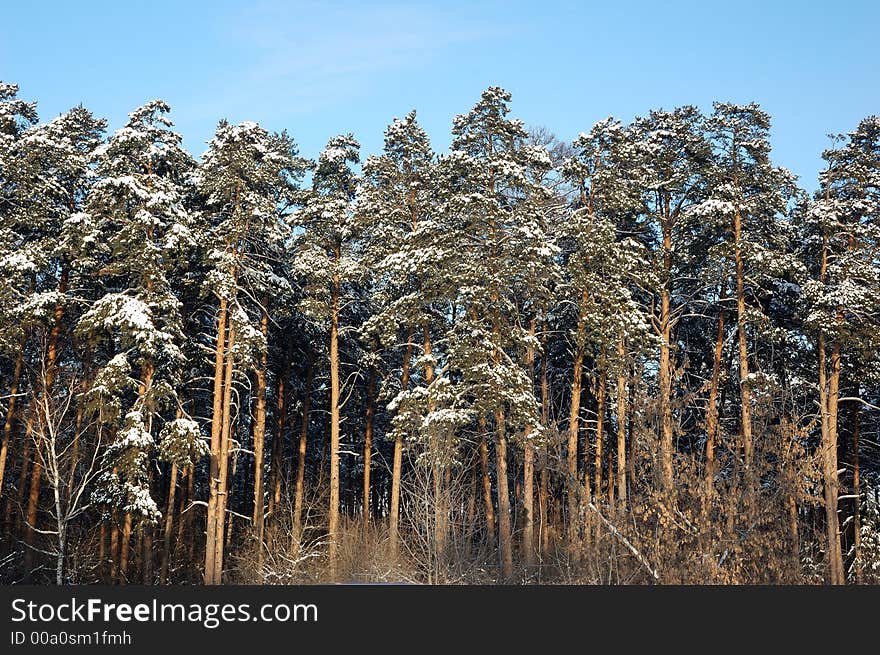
(406, 256)
(326, 260)
(842, 294)
(18, 260)
(494, 210)
(670, 153)
(137, 205)
(247, 178)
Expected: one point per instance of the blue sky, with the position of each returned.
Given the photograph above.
(321, 68)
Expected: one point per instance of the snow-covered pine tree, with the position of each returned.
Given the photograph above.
(327, 262)
(406, 258)
(494, 211)
(137, 205)
(843, 292)
(670, 153)
(18, 261)
(55, 168)
(747, 197)
(248, 178)
(601, 269)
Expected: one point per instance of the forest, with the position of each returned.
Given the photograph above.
(647, 356)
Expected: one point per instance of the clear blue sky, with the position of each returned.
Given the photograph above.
(320, 68)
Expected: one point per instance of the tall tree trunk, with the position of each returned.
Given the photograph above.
(487, 483)
(216, 429)
(299, 487)
(621, 420)
(745, 391)
(834, 556)
(259, 517)
(600, 433)
(10, 411)
(437, 462)
(529, 469)
(187, 522)
(225, 438)
(13, 399)
(114, 548)
(275, 473)
(397, 462)
(574, 429)
(665, 372)
(147, 566)
(832, 485)
(169, 525)
(125, 548)
(504, 527)
(333, 528)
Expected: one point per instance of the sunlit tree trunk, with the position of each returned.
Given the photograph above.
(528, 493)
(744, 384)
(397, 462)
(10, 412)
(216, 430)
(574, 429)
(621, 420)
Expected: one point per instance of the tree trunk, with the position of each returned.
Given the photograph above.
(275, 473)
(114, 547)
(665, 372)
(529, 470)
(834, 556)
(621, 420)
(125, 548)
(504, 527)
(397, 463)
(187, 517)
(573, 430)
(169, 525)
(832, 485)
(487, 483)
(437, 462)
(745, 391)
(216, 429)
(10, 412)
(299, 487)
(600, 435)
(148, 554)
(225, 438)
